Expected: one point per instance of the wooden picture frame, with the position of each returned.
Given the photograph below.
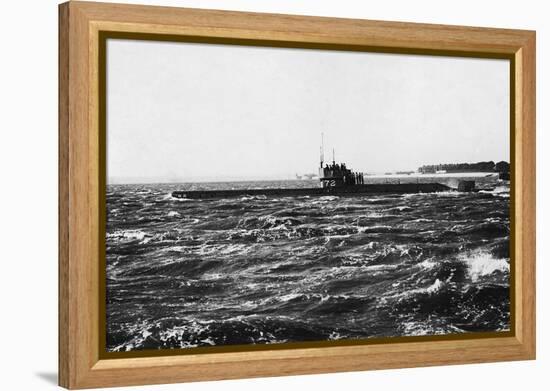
(82, 179)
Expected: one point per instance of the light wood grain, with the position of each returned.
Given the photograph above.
(80, 24)
(525, 127)
(64, 354)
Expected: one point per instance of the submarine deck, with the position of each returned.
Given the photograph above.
(401, 188)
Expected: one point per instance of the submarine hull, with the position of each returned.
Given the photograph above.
(401, 188)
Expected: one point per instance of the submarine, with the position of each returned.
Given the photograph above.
(335, 179)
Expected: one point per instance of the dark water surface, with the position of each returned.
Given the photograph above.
(186, 273)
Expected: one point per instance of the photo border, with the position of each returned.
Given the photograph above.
(104, 36)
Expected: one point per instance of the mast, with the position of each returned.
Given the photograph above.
(333, 159)
(322, 149)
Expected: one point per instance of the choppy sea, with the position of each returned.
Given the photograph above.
(261, 270)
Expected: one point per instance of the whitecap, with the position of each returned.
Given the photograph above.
(435, 287)
(168, 197)
(374, 228)
(429, 290)
(415, 328)
(449, 193)
(483, 264)
(328, 198)
(131, 234)
(421, 220)
(500, 191)
(334, 336)
(289, 297)
(427, 264)
(224, 249)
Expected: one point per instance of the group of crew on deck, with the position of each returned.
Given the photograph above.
(349, 177)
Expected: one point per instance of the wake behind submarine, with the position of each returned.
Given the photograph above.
(336, 179)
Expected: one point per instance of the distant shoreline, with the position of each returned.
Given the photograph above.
(436, 175)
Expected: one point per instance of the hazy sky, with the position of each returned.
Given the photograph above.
(184, 112)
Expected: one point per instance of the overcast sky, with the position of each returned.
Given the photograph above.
(186, 112)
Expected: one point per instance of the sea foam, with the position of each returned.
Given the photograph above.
(483, 264)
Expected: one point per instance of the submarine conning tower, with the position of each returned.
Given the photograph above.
(338, 175)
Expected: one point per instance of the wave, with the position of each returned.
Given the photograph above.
(328, 198)
(418, 328)
(427, 264)
(429, 290)
(501, 191)
(256, 197)
(422, 220)
(482, 264)
(169, 197)
(223, 249)
(126, 235)
(175, 333)
(487, 228)
(401, 208)
(382, 229)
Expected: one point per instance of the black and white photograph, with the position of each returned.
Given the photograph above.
(270, 195)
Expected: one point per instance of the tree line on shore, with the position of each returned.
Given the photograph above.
(489, 166)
